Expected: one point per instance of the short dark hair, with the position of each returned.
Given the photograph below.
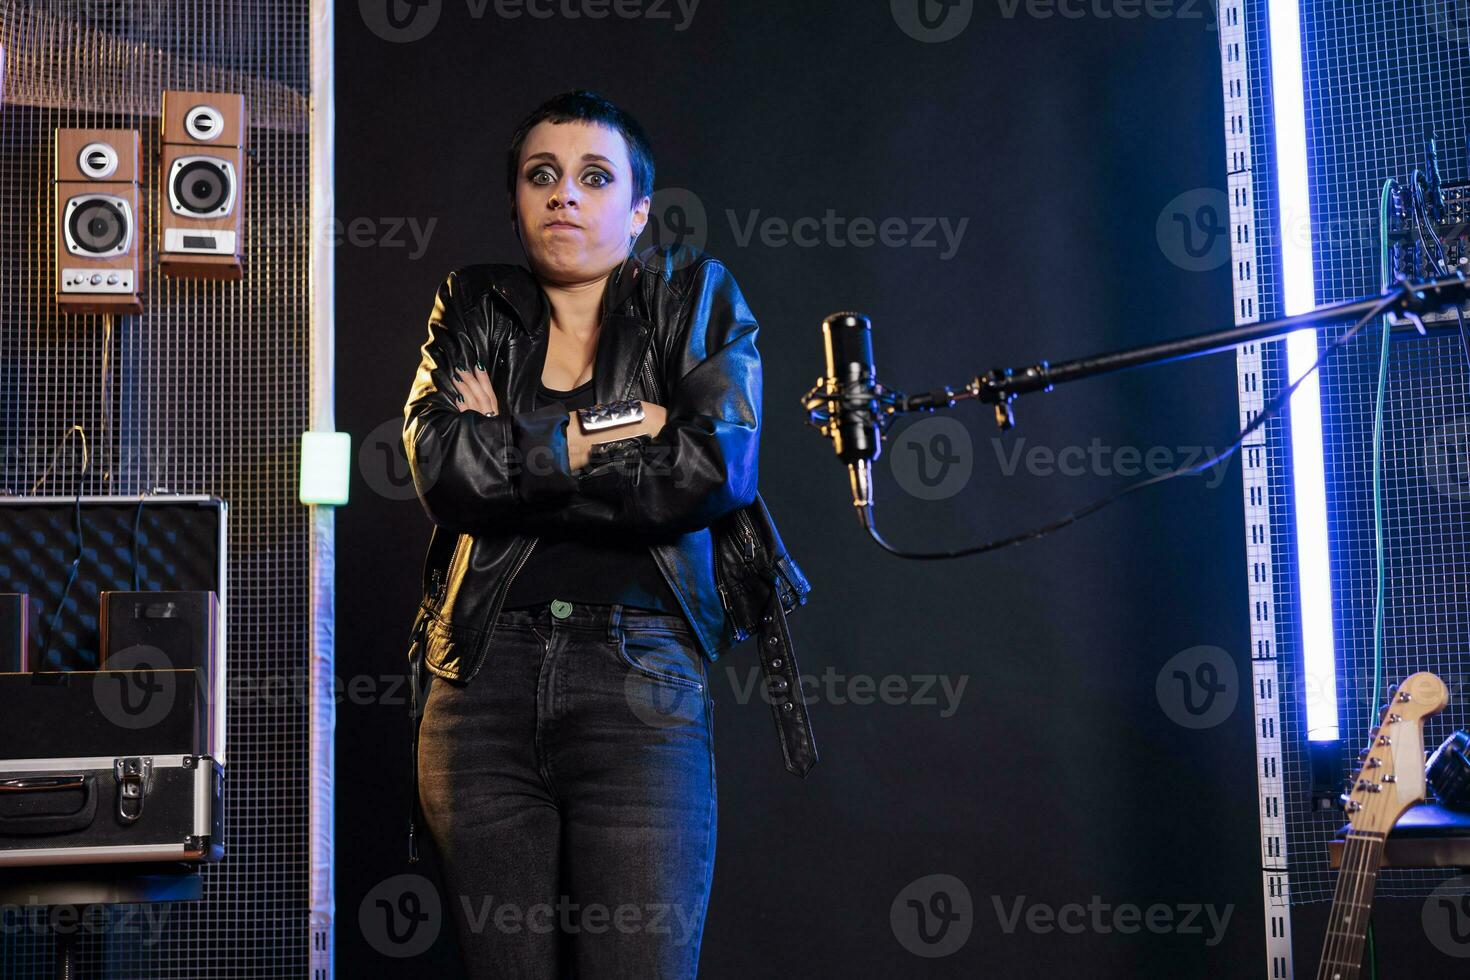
(584, 106)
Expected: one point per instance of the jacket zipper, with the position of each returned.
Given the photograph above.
(450, 567)
(650, 381)
(741, 629)
(500, 601)
(747, 533)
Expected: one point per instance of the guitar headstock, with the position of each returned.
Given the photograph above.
(1392, 777)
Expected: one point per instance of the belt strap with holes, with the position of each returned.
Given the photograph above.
(783, 687)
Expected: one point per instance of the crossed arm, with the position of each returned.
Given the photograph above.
(477, 394)
(525, 472)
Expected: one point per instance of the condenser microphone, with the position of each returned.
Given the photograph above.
(850, 386)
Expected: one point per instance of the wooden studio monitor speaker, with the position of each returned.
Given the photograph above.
(96, 241)
(201, 185)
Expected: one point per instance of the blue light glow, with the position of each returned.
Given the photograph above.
(1299, 295)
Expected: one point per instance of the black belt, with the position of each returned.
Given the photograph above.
(783, 689)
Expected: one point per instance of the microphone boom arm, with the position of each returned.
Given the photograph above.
(1001, 386)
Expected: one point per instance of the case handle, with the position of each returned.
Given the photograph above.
(51, 823)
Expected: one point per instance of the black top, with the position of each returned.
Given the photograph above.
(589, 566)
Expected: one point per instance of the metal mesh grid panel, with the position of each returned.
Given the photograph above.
(206, 392)
(1376, 74)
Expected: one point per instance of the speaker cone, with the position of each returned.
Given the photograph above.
(98, 226)
(201, 186)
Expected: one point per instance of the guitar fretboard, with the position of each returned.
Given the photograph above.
(1352, 903)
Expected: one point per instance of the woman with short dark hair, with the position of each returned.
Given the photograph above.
(579, 425)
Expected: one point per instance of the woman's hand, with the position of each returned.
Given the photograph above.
(579, 443)
(476, 393)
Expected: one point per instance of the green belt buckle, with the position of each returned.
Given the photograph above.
(560, 609)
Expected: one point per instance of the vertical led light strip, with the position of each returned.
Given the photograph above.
(1314, 570)
(323, 718)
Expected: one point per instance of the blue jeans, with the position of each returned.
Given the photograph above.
(569, 789)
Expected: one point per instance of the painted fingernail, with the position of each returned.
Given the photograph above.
(479, 366)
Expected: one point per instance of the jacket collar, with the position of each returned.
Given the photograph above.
(518, 288)
(622, 343)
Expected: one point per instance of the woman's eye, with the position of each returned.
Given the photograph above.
(598, 179)
(542, 177)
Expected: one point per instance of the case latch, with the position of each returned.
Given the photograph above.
(134, 782)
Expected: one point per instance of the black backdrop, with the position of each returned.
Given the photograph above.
(1060, 777)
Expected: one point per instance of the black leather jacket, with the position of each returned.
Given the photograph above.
(671, 324)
